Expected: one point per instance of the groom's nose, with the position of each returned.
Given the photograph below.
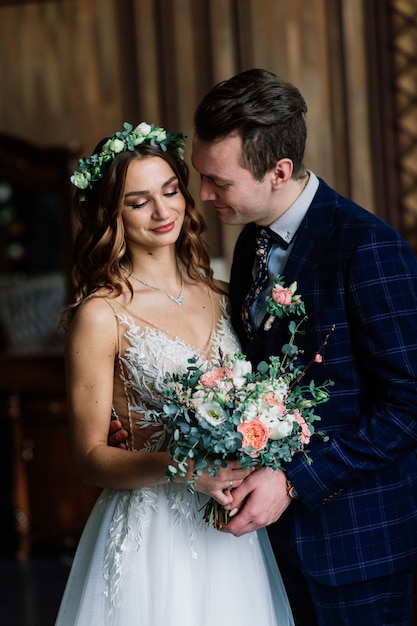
(207, 190)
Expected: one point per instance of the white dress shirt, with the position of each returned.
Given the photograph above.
(286, 226)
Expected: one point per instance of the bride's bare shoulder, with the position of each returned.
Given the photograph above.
(96, 311)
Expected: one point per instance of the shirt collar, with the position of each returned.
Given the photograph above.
(287, 224)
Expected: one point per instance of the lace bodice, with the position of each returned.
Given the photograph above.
(146, 354)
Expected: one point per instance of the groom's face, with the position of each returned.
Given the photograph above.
(235, 195)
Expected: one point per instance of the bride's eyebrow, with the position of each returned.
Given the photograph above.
(145, 191)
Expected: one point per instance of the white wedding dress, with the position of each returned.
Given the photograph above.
(146, 557)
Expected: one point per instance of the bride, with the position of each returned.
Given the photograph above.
(145, 301)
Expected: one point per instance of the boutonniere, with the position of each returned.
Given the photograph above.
(283, 301)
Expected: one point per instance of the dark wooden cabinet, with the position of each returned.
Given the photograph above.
(42, 501)
(44, 504)
(35, 200)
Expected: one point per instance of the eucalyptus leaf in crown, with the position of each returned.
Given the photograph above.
(90, 169)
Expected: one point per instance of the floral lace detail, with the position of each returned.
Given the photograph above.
(224, 336)
(132, 515)
(134, 505)
(149, 355)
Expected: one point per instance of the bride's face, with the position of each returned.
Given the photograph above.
(153, 205)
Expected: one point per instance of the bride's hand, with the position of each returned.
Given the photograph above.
(219, 487)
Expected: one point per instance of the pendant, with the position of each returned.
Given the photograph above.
(179, 300)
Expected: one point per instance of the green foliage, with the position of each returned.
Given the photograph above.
(261, 417)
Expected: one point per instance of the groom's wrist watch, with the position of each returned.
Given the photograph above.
(291, 491)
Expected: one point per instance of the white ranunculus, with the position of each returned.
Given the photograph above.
(212, 412)
(144, 128)
(270, 411)
(279, 428)
(240, 369)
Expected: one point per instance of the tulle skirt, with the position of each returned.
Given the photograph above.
(147, 558)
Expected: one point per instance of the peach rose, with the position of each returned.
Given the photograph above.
(305, 432)
(255, 434)
(213, 377)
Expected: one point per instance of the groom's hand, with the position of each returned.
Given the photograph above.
(117, 435)
(259, 501)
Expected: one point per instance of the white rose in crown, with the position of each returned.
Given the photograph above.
(116, 146)
(144, 128)
(81, 179)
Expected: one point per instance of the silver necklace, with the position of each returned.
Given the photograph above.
(179, 300)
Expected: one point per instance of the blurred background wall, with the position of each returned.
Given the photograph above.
(72, 71)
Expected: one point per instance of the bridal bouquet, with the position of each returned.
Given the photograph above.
(260, 417)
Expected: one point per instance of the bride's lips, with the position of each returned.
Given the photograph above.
(165, 228)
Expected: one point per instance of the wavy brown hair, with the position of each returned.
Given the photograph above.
(100, 247)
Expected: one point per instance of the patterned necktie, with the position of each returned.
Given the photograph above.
(263, 246)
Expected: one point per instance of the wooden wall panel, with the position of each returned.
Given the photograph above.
(59, 70)
(144, 48)
(289, 38)
(79, 69)
(357, 110)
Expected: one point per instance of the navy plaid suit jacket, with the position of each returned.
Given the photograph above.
(357, 517)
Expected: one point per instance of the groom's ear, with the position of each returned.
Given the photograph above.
(281, 173)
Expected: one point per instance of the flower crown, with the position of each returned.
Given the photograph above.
(90, 169)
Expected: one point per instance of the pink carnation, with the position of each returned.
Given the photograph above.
(305, 432)
(213, 377)
(269, 399)
(282, 295)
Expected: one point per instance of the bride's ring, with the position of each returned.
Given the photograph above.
(231, 484)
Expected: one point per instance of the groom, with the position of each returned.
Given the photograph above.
(343, 528)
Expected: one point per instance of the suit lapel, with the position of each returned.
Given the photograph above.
(315, 232)
(312, 238)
